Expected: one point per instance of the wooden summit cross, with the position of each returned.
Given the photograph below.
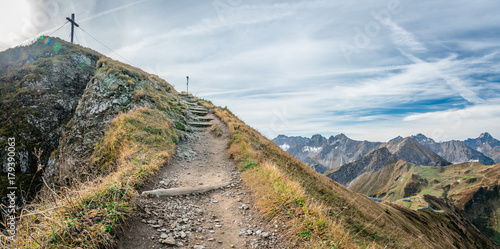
(73, 24)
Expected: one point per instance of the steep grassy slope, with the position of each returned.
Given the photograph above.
(320, 213)
(472, 187)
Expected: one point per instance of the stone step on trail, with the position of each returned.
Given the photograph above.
(204, 119)
(190, 100)
(199, 113)
(191, 104)
(198, 109)
(199, 129)
(200, 124)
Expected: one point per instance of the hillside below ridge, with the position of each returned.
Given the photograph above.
(472, 187)
(153, 137)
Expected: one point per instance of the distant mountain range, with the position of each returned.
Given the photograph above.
(403, 170)
(327, 154)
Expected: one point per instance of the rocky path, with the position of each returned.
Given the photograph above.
(222, 218)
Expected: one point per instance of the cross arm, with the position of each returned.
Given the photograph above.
(73, 22)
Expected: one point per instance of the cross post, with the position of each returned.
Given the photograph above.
(73, 24)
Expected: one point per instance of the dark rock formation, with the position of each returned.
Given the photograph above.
(371, 162)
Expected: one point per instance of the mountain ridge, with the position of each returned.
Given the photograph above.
(408, 149)
(338, 150)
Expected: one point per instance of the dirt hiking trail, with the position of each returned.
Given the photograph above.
(220, 218)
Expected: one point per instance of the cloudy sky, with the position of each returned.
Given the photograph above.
(370, 69)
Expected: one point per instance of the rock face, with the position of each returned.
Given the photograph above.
(371, 162)
(112, 90)
(406, 149)
(494, 154)
(40, 90)
(286, 142)
(457, 152)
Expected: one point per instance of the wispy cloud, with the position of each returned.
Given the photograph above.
(404, 39)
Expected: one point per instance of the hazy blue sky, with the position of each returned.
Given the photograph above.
(370, 69)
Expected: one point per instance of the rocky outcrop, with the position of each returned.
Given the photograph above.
(40, 91)
(113, 89)
(61, 97)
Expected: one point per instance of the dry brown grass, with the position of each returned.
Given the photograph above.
(216, 130)
(281, 199)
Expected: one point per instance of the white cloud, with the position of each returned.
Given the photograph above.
(458, 124)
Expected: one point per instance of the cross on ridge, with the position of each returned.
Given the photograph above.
(73, 24)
